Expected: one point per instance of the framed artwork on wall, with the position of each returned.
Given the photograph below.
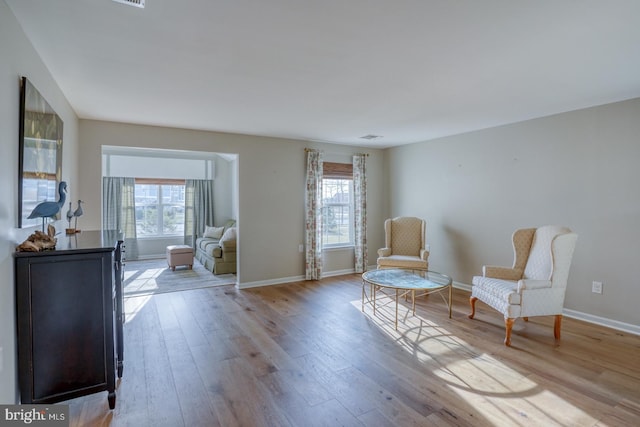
(40, 153)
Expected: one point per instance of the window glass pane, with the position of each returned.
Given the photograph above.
(173, 209)
(337, 212)
(169, 223)
(146, 194)
(146, 220)
(159, 210)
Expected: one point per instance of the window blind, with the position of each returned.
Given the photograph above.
(337, 170)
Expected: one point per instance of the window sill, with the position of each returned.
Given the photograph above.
(337, 248)
(166, 237)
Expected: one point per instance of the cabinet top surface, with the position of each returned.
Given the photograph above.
(86, 241)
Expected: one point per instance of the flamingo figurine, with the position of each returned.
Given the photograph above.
(50, 209)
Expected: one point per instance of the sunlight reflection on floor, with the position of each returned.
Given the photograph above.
(136, 280)
(141, 280)
(497, 392)
(132, 306)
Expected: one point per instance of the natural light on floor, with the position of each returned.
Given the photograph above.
(149, 277)
(143, 279)
(133, 305)
(500, 394)
(138, 279)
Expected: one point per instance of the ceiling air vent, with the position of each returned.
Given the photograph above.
(370, 136)
(136, 3)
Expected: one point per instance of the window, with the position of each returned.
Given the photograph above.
(337, 205)
(159, 208)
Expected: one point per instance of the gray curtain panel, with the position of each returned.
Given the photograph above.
(198, 208)
(119, 210)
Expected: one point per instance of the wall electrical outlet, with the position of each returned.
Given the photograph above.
(596, 287)
(300, 248)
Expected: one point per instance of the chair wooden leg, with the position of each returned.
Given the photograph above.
(472, 303)
(556, 326)
(508, 323)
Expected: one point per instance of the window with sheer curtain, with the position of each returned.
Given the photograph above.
(336, 210)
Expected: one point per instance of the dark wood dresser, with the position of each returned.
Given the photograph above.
(69, 308)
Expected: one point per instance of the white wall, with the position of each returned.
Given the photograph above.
(20, 59)
(224, 191)
(578, 169)
(156, 167)
(271, 182)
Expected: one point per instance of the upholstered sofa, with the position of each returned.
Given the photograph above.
(216, 249)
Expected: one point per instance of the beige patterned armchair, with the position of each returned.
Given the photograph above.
(404, 239)
(536, 284)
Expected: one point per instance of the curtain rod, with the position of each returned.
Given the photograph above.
(334, 152)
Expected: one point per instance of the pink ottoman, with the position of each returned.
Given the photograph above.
(179, 255)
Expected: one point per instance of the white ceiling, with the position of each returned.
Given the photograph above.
(335, 70)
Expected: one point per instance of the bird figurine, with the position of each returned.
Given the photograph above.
(69, 215)
(50, 209)
(78, 213)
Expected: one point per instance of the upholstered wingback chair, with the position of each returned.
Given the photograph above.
(536, 284)
(404, 239)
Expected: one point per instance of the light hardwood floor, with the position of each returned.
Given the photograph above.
(304, 354)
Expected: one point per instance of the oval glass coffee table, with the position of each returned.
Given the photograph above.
(389, 285)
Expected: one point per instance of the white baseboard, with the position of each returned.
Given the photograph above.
(602, 321)
(463, 286)
(292, 279)
(280, 281)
